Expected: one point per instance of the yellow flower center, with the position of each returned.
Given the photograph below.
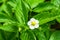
(33, 23)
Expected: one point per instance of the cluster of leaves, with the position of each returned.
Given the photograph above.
(14, 15)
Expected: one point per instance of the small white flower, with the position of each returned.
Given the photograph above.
(33, 23)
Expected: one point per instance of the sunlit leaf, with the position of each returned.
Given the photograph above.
(27, 35)
(21, 12)
(45, 17)
(34, 3)
(9, 28)
(43, 7)
(55, 36)
(39, 35)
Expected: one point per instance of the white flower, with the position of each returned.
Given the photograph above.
(33, 23)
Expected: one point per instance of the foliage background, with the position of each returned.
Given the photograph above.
(14, 15)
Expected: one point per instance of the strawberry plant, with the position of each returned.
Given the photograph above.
(29, 19)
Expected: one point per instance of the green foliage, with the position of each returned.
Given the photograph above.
(27, 35)
(55, 36)
(14, 15)
(34, 3)
(43, 7)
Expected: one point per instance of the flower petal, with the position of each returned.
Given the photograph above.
(32, 27)
(32, 19)
(29, 23)
(36, 21)
(37, 25)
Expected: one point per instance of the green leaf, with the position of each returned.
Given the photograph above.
(7, 9)
(55, 36)
(2, 0)
(12, 4)
(56, 2)
(27, 35)
(34, 3)
(45, 17)
(43, 7)
(1, 37)
(21, 12)
(44, 27)
(58, 19)
(10, 35)
(4, 35)
(0, 9)
(39, 35)
(27, 5)
(3, 17)
(9, 28)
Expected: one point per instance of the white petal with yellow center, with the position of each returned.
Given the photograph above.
(33, 23)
